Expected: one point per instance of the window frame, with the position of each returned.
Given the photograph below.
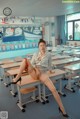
(73, 21)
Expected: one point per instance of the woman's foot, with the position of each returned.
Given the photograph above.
(14, 82)
(64, 114)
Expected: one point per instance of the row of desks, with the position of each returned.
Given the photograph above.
(73, 72)
(57, 63)
(67, 50)
(28, 81)
(7, 61)
(63, 62)
(19, 59)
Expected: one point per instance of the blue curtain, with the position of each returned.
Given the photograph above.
(61, 29)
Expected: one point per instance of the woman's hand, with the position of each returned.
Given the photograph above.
(30, 69)
(51, 72)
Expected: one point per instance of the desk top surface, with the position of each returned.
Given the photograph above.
(65, 61)
(5, 66)
(76, 53)
(18, 59)
(28, 79)
(73, 67)
(7, 61)
(60, 57)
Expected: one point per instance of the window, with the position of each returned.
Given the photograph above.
(73, 16)
(70, 30)
(73, 26)
(77, 30)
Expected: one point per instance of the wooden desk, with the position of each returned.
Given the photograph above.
(5, 67)
(68, 52)
(76, 54)
(73, 70)
(61, 63)
(58, 75)
(7, 61)
(60, 57)
(18, 59)
(27, 82)
(12, 73)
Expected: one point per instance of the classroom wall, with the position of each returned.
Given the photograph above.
(17, 26)
(50, 30)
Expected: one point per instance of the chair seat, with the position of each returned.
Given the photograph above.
(28, 90)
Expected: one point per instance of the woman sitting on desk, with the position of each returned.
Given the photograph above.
(41, 62)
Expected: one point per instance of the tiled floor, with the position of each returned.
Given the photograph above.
(37, 110)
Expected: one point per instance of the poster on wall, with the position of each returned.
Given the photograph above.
(1, 34)
(12, 34)
(8, 31)
(32, 33)
(14, 31)
(18, 31)
(28, 33)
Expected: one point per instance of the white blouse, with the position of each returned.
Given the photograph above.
(43, 61)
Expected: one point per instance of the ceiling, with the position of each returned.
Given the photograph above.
(40, 8)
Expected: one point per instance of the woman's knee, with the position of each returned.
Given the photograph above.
(24, 62)
(44, 78)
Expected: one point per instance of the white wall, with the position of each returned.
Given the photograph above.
(53, 41)
(49, 30)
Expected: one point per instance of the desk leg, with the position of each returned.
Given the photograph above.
(44, 96)
(20, 100)
(78, 82)
(33, 97)
(60, 88)
(1, 76)
(13, 87)
(39, 97)
(69, 86)
(4, 78)
(21, 105)
(5, 82)
(1, 79)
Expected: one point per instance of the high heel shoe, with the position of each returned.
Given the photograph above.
(15, 82)
(64, 115)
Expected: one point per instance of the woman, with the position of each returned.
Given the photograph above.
(41, 62)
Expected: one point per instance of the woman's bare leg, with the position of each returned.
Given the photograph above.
(28, 67)
(45, 79)
(21, 69)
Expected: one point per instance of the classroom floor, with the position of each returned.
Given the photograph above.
(37, 110)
